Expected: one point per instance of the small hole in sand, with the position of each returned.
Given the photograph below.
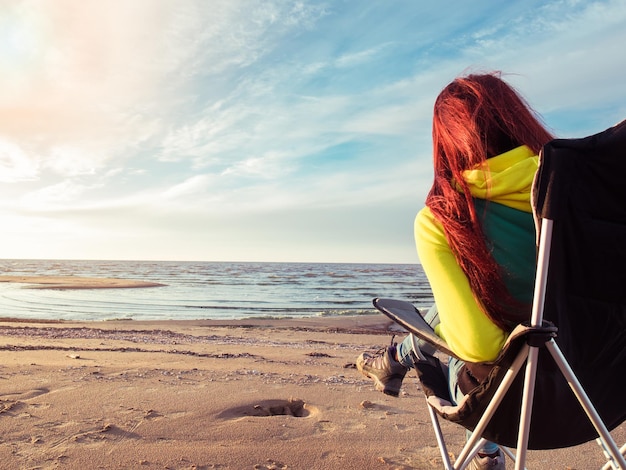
(292, 407)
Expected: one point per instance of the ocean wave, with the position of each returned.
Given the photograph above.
(203, 290)
(338, 313)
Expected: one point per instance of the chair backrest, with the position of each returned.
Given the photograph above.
(580, 186)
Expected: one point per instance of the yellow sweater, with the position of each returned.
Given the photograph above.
(505, 179)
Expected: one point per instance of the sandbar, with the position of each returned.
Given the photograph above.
(75, 282)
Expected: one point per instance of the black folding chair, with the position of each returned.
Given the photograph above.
(573, 348)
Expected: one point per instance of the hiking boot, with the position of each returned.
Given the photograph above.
(488, 462)
(384, 369)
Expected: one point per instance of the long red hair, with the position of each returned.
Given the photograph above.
(477, 117)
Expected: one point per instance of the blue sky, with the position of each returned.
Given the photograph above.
(263, 130)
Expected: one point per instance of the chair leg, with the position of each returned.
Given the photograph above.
(443, 449)
(610, 465)
(504, 386)
(509, 453)
(445, 457)
(607, 441)
(526, 407)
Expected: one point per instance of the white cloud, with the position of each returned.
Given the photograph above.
(15, 164)
(52, 197)
(357, 58)
(190, 187)
(72, 161)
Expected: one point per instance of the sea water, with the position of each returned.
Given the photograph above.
(210, 290)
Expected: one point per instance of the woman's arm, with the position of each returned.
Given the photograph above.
(464, 326)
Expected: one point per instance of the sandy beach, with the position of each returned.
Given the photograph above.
(257, 394)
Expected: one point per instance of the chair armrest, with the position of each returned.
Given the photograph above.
(406, 315)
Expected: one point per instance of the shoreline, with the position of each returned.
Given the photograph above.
(373, 322)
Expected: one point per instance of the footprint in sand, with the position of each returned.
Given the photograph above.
(152, 414)
(325, 426)
(12, 402)
(107, 431)
(388, 410)
(270, 465)
(9, 407)
(27, 395)
(292, 407)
